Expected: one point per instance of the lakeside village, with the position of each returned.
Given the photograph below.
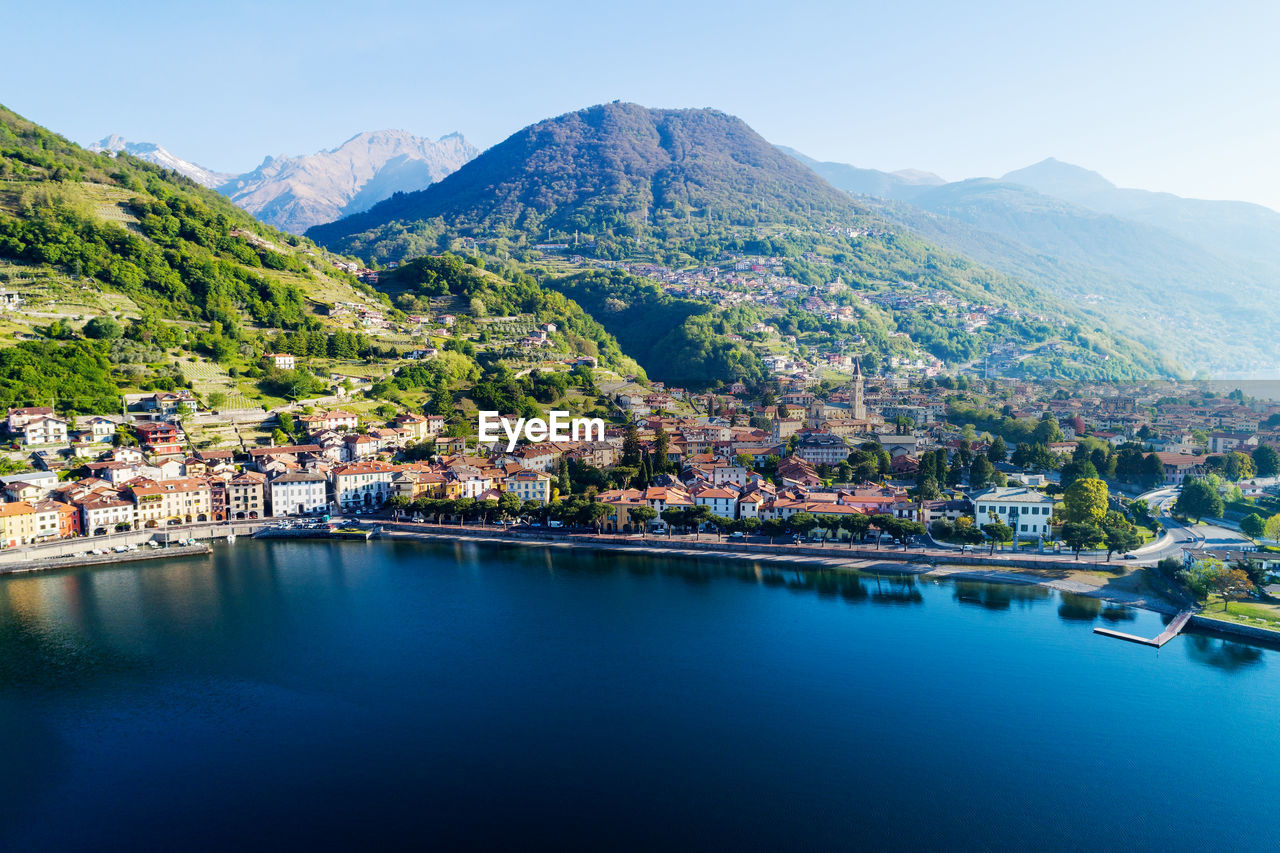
(882, 459)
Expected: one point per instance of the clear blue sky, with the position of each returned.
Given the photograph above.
(1149, 94)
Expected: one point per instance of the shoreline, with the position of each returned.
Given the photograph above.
(970, 568)
(857, 561)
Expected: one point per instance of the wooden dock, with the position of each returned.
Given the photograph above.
(1175, 628)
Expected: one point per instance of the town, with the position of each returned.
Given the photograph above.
(901, 458)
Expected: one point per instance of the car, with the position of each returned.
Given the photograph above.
(1131, 556)
(737, 534)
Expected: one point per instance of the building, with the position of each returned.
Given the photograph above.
(98, 429)
(818, 448)
(723, 502)
(19, 418)
(335, 420)
(1025, 510)
(159, 438)
(45, 430)
(282, 360)
(299, 493)
(104, 512)
(172, 502)
(246, 496)
(17, 524)
(529, 485)
(363, 485)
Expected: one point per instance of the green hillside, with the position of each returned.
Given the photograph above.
(685, 189)
(146, 240)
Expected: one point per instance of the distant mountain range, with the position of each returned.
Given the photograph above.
(295, 193)
(153, 153)
(1170, 270)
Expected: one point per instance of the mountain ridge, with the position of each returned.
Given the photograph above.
(294, 192)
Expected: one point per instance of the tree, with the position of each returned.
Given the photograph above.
(1085, 502)
(1231, 583)
(510, 505)
(1140, 509)
(1199, 498)
(1236, 466)
(980, 472)
(661, 446)
(631, 445)
(1121, 540)
(1152, 473)
(720, 523)
(1272, 527)
(802, 523)
(857, 525)
(1266, 461)
(102, 328)
(642, 515)
(773, 527)
(594, 513)
(997, 531)
(279, 438)
(1080, 535)
(927, 489)
(1078, 470)
(1047, 431)
(1252, 525)
(997, 451)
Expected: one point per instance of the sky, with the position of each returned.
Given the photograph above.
(1173, 95)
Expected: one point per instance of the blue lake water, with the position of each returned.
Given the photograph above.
(394, 695)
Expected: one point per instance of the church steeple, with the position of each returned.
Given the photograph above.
(859, 405)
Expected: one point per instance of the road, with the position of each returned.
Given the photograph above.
(1185, 535)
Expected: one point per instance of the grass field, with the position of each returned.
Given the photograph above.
(1259, 614)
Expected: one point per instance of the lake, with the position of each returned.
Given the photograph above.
(395, 695)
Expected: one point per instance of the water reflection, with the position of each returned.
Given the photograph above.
(1225, 655)
(1078, 608)
(999, 596)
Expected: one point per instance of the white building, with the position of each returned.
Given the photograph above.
(363, 484)
(298, 493)
(723, 502)
(1025, 510)
(45, 430)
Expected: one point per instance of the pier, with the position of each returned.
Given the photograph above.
(1175, 628)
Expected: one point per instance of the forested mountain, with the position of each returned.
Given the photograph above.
(1167, 271)
(611, 170)
(688, 187)
(169, 245)
(295, 193)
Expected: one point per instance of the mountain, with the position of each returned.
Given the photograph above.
(683, 189)
(902, 184)
(95, 232)
(1231, 227)
(1167, 271)
(295, 193)
(153, 153)
(613, 169)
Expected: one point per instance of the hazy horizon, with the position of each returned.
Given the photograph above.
(1175, 101)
